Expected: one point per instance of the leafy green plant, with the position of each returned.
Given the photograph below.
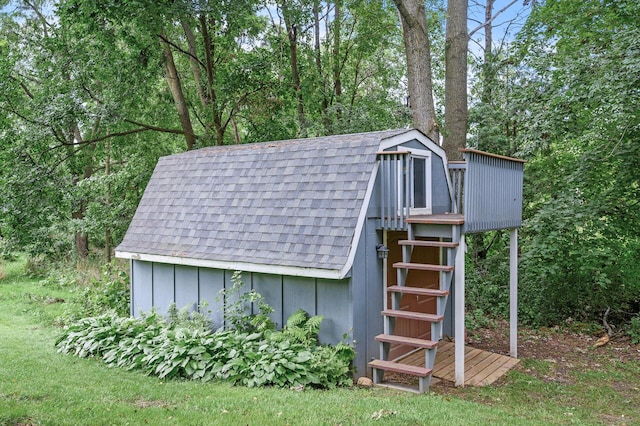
(37, 266)
(238, 306)
(634, 330)
(300, 328)
(476, 319)
(180, 346)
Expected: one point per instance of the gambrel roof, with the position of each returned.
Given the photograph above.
(293, 207)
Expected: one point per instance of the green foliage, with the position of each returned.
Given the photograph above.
(477, 319)
(634, 330)
(238, 307)
(94, 295)
(574, 265)
(183, 346)
(300, 328)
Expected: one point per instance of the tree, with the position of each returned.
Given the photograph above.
(92, 93)
(577, 95)
(455, 86)
(419, 72)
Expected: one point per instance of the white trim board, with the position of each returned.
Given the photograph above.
(330, 274)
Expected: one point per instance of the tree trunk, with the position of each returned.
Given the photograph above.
(455, 86)
(292, 34)
(318, 57)
(337, 82)
(194, 62)
(173, 80)
(82, 238)
(107, 230)
(418, 54)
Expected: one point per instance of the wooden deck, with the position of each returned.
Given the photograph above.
(481, 368)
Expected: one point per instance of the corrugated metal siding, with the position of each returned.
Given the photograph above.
(492, 193)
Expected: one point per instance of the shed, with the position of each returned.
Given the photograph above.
(309, 223)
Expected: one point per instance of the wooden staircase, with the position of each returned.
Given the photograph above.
(447, 228)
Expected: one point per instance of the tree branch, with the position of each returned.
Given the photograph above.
(160, 129)
(493, 18)
(180, 49)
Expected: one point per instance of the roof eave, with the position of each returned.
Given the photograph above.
(296, 271)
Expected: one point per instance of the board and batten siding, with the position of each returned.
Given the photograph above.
(157, 285)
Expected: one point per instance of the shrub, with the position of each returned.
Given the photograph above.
(185, 347)
(102, 293)
(634, 329)
(576, 263)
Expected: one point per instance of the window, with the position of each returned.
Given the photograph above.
(418, 194)
(419, 182)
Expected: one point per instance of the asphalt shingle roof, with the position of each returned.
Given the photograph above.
(288, 203)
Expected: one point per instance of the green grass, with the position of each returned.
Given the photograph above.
(39, 386)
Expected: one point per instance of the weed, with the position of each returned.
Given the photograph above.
(238, 306)
(477, 318)
(634, 330)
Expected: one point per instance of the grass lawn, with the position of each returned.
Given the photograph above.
(41, 387)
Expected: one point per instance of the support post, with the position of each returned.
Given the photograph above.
(459, 308)
(513, 293)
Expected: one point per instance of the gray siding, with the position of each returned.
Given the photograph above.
(157, 285)
(141, 287)
(492, 192)
(187, 295)
(163, 288)
(334, 304)
(210, 282)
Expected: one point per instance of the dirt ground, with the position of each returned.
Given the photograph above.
(569, 349)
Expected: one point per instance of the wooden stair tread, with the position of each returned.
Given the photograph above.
(410, 341)
(420, 316)
(422, 243)
(400, 368)
(423, 266)
(417, 290)
(437, 219)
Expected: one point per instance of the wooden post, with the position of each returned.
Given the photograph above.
(513, 293)
(459, 315)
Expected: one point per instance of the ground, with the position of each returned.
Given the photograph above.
(569, 367)
(571, 349)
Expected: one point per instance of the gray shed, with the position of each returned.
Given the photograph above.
(308, 222)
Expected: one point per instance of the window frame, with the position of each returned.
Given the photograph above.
(428, 193)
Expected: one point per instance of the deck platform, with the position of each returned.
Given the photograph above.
(481, 367)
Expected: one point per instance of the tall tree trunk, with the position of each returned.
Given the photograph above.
(195, 63)
(418, 54)
(175, 86)
(107, 230)
(82, 238)
(292, 34)
(455, 86)
(318, 57)
(337, 82)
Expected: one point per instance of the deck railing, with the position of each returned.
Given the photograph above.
(485, 188)
(395, 189)
(456, 173)
(492, 191)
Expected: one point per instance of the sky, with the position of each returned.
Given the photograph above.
(511, 16)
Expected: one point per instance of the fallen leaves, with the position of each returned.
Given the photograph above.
(602, 341)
